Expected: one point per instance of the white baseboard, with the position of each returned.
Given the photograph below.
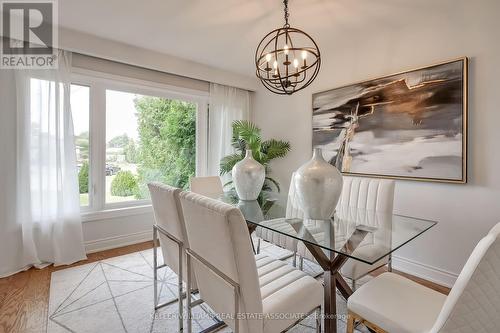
(118, 241)
(424, 271)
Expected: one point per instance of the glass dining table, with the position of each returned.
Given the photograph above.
(351, 234)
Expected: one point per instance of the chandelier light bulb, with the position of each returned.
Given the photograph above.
(295, 63)
(275, 64)
(285, 48)
(268, 57)
(304, 55)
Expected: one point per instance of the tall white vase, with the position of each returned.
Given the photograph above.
(318, 185)
(251, 209)
(248, 177)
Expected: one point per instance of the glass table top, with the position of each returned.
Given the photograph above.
(361, 234)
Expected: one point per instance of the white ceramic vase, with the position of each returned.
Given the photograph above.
(318, 185)
(248, 177)
(251, 210)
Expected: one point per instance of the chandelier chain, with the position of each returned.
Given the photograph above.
(287, 14)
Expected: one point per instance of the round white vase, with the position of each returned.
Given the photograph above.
(248, 177)
(318, 186)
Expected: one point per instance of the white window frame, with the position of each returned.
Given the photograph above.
(88, 208)
(100, 82)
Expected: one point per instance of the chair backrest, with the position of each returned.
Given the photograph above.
(168, 215)
(292, 211)
(374, 195)
(357, 192)
(368, 193)
(473, 304)
(218, 233)
(207, 186)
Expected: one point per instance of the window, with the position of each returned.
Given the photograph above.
(147, 139)
(80, 109)
(129, 133)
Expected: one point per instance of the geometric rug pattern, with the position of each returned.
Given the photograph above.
(116, 295)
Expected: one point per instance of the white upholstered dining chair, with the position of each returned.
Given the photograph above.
(372, 194)
(252, 294)
(210, 186)
(169, 226)
(275, 237)
(392, 303)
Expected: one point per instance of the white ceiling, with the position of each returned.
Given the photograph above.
(224, 33)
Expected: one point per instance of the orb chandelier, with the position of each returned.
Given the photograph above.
(287, 59)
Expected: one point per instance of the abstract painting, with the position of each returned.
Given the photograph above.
(410, 125)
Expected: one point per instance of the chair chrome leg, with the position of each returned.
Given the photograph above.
(318, 320)
(215, 327)
(190, 303)
(353, 284)
(236, 310)
(294, 262)
(172, 301)
(179, 281)
(155, 266)
(389, 263)
(301, 263)
(188, 294)
(258, 245)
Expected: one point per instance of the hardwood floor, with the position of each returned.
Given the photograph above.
(24, 297)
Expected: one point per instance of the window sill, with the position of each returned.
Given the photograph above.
(116, 212)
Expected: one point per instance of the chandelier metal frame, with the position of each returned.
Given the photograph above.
(286, 76)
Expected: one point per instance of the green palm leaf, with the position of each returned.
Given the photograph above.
(244, 132)
(270, 180)
(275, 148)
(228, 162)
(245, 129)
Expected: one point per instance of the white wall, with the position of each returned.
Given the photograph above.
(459, 28)
(106, 49)
(111, 232)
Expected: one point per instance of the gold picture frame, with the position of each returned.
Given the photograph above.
(445, 84)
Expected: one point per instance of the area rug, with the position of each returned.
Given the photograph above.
(116, 295)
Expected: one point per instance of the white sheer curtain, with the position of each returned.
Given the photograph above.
(227, 104)
(47, 198)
